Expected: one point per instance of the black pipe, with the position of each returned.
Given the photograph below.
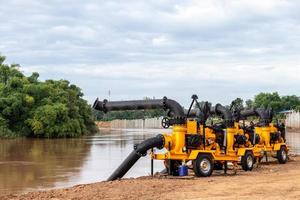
(175, 109)
(223, 111)
(265, 115)
(244, 114)
(139, 151)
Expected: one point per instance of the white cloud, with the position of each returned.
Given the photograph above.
(157, 48)
(161, 41)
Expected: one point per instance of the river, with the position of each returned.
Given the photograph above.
(42, 164)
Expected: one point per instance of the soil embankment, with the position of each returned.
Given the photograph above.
(103, 124)
(268, 181)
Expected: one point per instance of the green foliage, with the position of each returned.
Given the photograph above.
(237, 104)
(51, 109)
(272, 100)
(275, 101)
(249, 103)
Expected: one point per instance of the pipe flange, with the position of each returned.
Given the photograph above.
(135, 147)
(165, 103)
(162, 139)
(104, 105)
(143, 154)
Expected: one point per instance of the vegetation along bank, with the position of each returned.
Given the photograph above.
(44, 109)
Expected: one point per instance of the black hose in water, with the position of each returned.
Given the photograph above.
(138, 152)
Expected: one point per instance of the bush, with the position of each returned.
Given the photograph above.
(32, 108)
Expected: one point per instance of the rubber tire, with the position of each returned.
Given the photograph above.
(218, 166)
(244, 163)
(280, 158)
(196, 165)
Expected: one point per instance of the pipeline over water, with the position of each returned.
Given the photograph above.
(174, 108)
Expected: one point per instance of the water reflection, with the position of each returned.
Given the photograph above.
(26, 164)
(32, 164)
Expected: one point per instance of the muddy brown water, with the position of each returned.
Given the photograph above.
(40, 164)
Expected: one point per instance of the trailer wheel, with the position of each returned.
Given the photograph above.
(247, 161)
(203, 165)
(282, 155)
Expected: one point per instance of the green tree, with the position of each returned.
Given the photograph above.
(29, 107)
(277, 102)
(237, 104)
(249, 103)
(290, 102)
(266, 100)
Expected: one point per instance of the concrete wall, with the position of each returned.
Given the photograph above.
(292, 123)
(151, 123)
(293, 141)
(293, 120)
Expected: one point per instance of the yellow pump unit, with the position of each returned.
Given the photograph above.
(270, 138)
(208, 147)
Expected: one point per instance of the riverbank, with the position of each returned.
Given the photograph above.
(268, 181)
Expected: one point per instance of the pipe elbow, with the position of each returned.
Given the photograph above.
(100, 105)
(175, 108)
(247, 113)
(266, 115)
(227, 115)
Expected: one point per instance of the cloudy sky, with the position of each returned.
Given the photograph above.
(219, 50)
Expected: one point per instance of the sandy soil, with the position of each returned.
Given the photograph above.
(267, 181)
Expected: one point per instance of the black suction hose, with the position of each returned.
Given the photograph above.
(138, 152)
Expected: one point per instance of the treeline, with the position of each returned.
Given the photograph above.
(270, 100)
(33, 108)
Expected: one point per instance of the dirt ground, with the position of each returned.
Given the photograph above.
(267, 181)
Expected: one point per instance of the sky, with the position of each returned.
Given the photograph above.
(218, 50)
